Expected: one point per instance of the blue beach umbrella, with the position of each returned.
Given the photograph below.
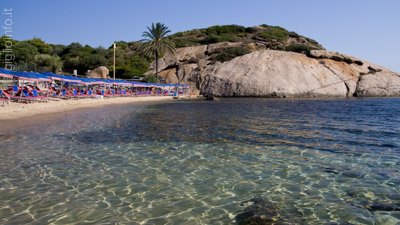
(6, 73)
(42, 77)
(25, 76)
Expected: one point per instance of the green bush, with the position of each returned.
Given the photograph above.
(186, 33)
(226, 29)
(277, 33)
(301, 48)
(311, 41)
(151, 78)
(219, 38)
(185, 42)
(293, 34)
(231, 53)
(134, 66)
(52, 62)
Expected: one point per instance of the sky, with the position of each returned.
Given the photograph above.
(367, 29)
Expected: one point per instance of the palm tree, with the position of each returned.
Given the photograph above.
(155, 42)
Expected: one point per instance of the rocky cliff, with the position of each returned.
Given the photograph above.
(257, 69)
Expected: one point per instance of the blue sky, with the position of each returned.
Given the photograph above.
(367, 29)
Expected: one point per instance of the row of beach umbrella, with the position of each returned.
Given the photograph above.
(50, 77)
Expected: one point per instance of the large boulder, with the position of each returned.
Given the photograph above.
(278, 74)
(99, 72)
(169, 76)
(287, 74)
(271, 73)
(379, 84)
(179, 57)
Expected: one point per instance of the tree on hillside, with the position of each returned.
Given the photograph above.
(42, 46)
(49, 63)
(24, 52)
(156, 43)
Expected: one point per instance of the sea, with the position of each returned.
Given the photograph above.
(232, 161)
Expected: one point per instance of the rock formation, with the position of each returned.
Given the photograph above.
(99, 72)
(272, 73)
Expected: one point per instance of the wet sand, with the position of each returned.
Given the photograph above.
(22, 110)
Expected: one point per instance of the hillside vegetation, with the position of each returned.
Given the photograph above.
(272, 37)
(37, 55)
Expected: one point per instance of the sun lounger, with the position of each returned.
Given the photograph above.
(108, 95)
(4, 98)
(20, 98)
(66, 95)
(125, 93)
(36, 95)
(29, 96)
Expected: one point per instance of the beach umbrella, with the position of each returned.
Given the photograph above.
(25, 76)
(42, 77)
(6, 73)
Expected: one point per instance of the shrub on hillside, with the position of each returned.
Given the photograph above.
(293, 34)
(226, 29)
(276, 33)
(311, 41)
(151, 78)
(219, 38)
(300, 48)
(185, 42)
(186, 33)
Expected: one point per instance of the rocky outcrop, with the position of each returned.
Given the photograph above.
(271, 73)
(322, 54)
(99, 72)
(278, 74)
(169, 76)
(378, 84)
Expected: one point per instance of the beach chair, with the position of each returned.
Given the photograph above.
(4, 99)
(90, 94)
(107, 95)
(130, 94)
(30, 96)
(119, 93)
(13, 90)
(19, 98)
(75, 94)
(36, 95)
(45, 92)
(125, 93)
(66, 95)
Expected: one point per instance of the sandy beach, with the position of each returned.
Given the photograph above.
(20, 110)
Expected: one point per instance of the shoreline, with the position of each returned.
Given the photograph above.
(22, 110)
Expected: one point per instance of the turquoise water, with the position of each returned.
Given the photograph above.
(194, 162)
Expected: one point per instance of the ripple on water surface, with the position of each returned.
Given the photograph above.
(311, 161)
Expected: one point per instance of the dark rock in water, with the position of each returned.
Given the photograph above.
(341, 223)
(331, 170)
(212, 98)
(344, 172)
(382, 207)
(260, 212)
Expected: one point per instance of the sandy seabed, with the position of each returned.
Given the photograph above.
(17, 110)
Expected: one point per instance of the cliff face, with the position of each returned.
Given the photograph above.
(272, 73)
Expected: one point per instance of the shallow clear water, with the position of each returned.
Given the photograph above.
(194, 162)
